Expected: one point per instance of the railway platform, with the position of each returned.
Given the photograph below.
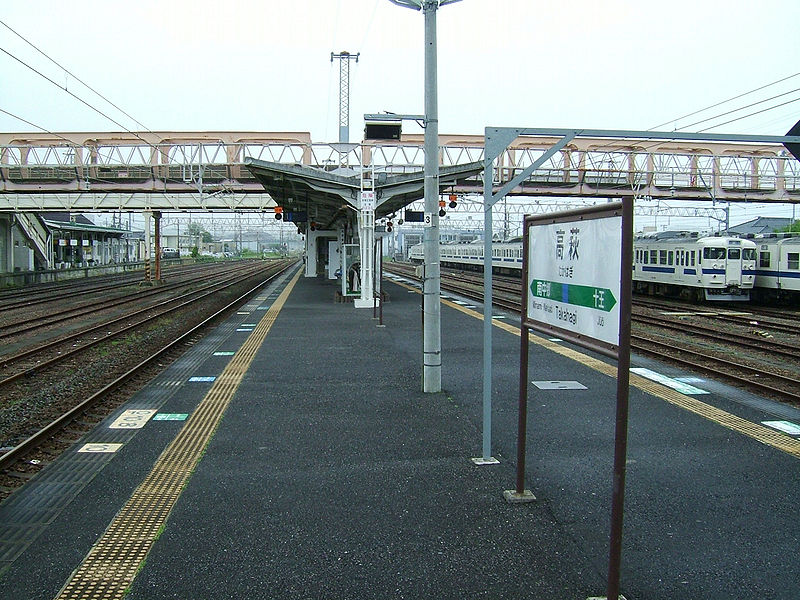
(290, 454)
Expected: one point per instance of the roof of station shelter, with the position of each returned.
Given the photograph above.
(325, 196)
(76, 223)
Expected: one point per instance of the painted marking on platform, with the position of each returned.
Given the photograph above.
(224, 353)
(100, 447)
(204, 379)
(765, 435)
(263, 308)
(111, 565)
(554, 340)
(784, 426)
(245, 329)
(242, 313)
(679, 386)
(170, 417)
(498, 316)
(559, 385)
(249, 324)
(690, 379)
(132, 419)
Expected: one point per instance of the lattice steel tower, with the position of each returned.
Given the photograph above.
(344, 92)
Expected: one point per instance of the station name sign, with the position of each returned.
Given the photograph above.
(574, 275)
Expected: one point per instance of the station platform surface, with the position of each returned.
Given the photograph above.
(311, 465)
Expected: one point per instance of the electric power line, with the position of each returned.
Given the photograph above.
(691, 114)
(78, 98)
(738, 109)
(758, 112)
(68, 72)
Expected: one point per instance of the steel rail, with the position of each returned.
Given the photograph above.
(188, 298)
(750, 383)
(28, 444)
(772, 347)
(14, 329)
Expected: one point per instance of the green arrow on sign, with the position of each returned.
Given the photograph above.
(588, 296)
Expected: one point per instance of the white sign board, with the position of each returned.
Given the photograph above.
(574, 276)
(368, 200)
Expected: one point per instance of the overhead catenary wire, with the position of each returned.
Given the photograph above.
(64, 88)
(743, 94)
(81, 100)
(78, 98)
(78, 79)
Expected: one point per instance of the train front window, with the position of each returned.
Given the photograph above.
(734, 253)
(748, 254)
(713, 253)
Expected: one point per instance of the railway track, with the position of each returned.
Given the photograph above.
(86, 407)
(54, 352)
(721, 343)
(15, 324)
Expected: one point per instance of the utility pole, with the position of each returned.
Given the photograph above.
(344, 92)
(432, 328)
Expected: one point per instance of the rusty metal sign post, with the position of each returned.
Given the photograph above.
(571, 290)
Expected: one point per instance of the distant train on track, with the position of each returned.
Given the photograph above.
(675, 263)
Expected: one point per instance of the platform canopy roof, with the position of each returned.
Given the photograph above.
(326, 196)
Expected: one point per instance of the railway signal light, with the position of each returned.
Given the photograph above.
(453, 199)
(278, 212)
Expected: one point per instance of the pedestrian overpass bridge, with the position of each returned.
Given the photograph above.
(208, 171)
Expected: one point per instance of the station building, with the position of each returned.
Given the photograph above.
(59, 240)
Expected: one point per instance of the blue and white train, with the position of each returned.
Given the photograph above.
(778, 268)
(681, 264)
(506, 256)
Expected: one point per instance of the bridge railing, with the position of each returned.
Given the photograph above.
(591, 167)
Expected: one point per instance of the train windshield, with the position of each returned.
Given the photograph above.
(714, 253)
(748, 253)
(734, 253)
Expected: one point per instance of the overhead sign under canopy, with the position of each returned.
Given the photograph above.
(326, 195)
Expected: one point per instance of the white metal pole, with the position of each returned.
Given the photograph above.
(432, 332)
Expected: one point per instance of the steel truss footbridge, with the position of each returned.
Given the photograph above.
(206, 171)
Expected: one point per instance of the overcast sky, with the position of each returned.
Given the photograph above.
(265, 65)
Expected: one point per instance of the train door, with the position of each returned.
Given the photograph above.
(675, 262)
(733, 267)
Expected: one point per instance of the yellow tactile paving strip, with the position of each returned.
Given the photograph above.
(765, 435)
(113, 562)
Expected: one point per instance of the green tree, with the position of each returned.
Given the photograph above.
(195, 229)
(793, 228)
